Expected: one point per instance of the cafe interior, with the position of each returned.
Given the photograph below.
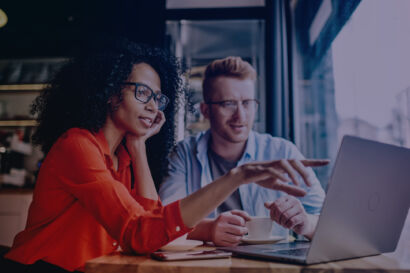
(325, 69)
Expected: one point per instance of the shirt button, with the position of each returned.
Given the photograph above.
(114, 244)
(178, 228)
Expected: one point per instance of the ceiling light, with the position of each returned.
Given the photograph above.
(3, 18)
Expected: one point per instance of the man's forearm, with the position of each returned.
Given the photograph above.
(202, 231)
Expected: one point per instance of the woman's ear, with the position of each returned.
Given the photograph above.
(204, 109)
(114, 102)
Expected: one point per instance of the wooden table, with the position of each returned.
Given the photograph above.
(126, 263)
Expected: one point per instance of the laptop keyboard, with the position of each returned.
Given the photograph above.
(292, 252)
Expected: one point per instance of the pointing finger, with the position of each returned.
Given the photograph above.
(290, 171)
(302, 171)
(315, 162)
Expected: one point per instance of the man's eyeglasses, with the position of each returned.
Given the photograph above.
(144, 93)
(231, 106)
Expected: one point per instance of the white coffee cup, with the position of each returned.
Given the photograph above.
(259, 227)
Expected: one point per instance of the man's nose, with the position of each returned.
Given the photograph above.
(240, 112)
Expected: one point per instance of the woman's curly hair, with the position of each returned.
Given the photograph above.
(78, 95)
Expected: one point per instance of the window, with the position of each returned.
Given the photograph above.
(351, 66)
(199, 42)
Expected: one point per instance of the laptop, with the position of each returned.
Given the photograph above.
(366, 205)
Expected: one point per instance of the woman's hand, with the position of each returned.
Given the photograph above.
(274, 174)
(144, 185)
(155, 126)
(277, 174)
(134, 141)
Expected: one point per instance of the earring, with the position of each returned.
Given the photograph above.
(111, 106)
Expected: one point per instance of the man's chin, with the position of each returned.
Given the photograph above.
(238, 138)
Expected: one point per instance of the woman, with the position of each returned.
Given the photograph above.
(95, 191)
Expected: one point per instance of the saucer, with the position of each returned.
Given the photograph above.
(181, 245)
(255, 241)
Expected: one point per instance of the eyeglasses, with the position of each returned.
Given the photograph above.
(231, 106)
(144, 94)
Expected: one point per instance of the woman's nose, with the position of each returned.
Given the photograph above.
(151, 105)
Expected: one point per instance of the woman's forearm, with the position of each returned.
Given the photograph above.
(143, 182)
(202, 231)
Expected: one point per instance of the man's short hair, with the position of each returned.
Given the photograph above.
(228, 67)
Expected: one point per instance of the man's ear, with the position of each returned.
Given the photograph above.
(204, 109)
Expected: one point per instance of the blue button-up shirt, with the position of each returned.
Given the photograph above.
(189, 170)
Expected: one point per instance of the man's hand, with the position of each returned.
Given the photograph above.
(289, 213)
(229, 227)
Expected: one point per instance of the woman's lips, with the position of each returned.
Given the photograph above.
(147, 122)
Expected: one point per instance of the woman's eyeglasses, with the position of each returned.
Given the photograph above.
(144, 94)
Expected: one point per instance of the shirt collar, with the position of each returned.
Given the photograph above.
(250, 149)
(124, 158)
(203, 139)
(102, 141)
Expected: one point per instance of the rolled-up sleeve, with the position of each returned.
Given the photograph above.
(313, 200)
(147, 234)
(139, 224)
(147, 204)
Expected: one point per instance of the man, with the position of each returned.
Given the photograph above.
(230, 105)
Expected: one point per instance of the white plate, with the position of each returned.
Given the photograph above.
(254, 241)
(181, 245)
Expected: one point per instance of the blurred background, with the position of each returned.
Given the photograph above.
(326, 68)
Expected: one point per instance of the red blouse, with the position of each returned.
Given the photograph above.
(82, 208)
